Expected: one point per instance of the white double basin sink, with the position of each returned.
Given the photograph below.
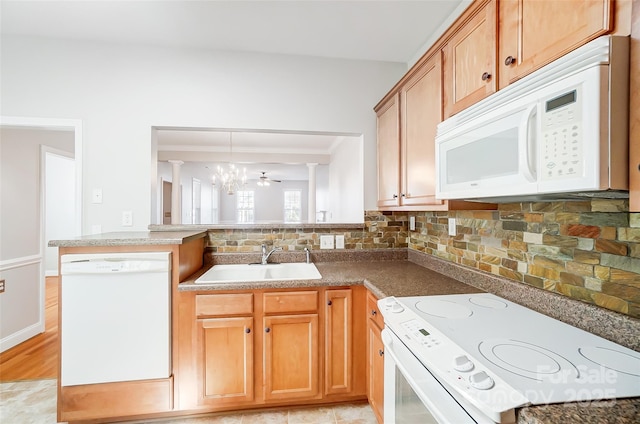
(239, 273)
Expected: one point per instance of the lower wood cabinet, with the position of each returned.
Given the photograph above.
(290, 356)
(338, 342)
(226, 362)
(375, 358)
(271, 347)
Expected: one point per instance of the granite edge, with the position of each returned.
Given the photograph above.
(134, 240)
(257, 227)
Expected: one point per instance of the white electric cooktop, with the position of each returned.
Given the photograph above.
(544, 359)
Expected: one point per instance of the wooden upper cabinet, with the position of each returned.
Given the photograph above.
(534, 33)
(470, 60)
(420, 112)
(389, 152)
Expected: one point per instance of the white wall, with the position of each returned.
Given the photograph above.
(344, 185)
(121, 91)
(21, 261)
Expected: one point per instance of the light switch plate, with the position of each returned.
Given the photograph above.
(96, 196)
(412, 223)
(452, 226)
(340, 241)
(326, 242)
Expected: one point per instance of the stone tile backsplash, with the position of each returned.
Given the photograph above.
(586, 250)
(381, 230)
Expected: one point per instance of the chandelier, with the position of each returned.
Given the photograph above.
(231, 179)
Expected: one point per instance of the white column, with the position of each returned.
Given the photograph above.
(176, 199)
(312, 192)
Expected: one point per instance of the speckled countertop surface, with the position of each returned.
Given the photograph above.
(383, 278)
(423, 276)
(130, 238)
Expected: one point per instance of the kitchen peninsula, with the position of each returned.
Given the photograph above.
(320, 308)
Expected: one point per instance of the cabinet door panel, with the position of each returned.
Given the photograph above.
(338, 336)
(469, 61)
(376, 371)
(421, 111)
(291, 356)
(535, 33)
(226, 371)
(389, 153)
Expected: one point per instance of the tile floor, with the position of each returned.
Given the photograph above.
(34, 402)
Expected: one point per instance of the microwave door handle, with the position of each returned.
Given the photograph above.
(527, 144)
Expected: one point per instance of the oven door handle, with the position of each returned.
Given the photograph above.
(433, 395)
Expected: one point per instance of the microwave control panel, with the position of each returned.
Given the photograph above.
(561, 141)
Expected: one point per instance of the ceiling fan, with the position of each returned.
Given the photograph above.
(266, 181)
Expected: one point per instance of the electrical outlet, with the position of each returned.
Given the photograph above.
(326, 242)
(127, 218)
(452, 226)
(1, 286)
(412, 223)
(340, 241)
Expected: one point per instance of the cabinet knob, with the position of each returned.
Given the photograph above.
(403, 195)
(486, 76)
(266, 330)
(248, 330)
(329, 302)
(510, 60)
(395, 196)
(380, 352)
(374, 312)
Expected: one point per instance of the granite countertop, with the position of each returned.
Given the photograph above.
(130, 238)
(383, 278)
(406, 278)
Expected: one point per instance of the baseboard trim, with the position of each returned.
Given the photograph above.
(18, 337)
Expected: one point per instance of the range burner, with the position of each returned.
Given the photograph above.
(443, 309)
(526, 359)
(612, 359)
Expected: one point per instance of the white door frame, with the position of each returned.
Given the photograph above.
(74, 125)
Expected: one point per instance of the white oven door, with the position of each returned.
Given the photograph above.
(411, 394)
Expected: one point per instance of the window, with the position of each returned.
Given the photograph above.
(292, 206)
(245, 205)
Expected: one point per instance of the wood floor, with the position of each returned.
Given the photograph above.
(37, 357)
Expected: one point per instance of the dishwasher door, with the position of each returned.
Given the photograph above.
(115, 317)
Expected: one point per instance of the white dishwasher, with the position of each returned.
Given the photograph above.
(115, 317)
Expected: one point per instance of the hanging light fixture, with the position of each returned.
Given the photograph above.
(230, 180)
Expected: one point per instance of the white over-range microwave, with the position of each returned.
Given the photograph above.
(560, 133)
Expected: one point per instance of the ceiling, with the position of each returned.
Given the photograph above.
(384, 30)
(283, 155)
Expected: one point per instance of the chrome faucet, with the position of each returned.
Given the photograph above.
(265, 255)
(306, 250)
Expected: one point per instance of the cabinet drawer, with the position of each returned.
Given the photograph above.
(283, 302)
(224, 304)
(372, 310)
